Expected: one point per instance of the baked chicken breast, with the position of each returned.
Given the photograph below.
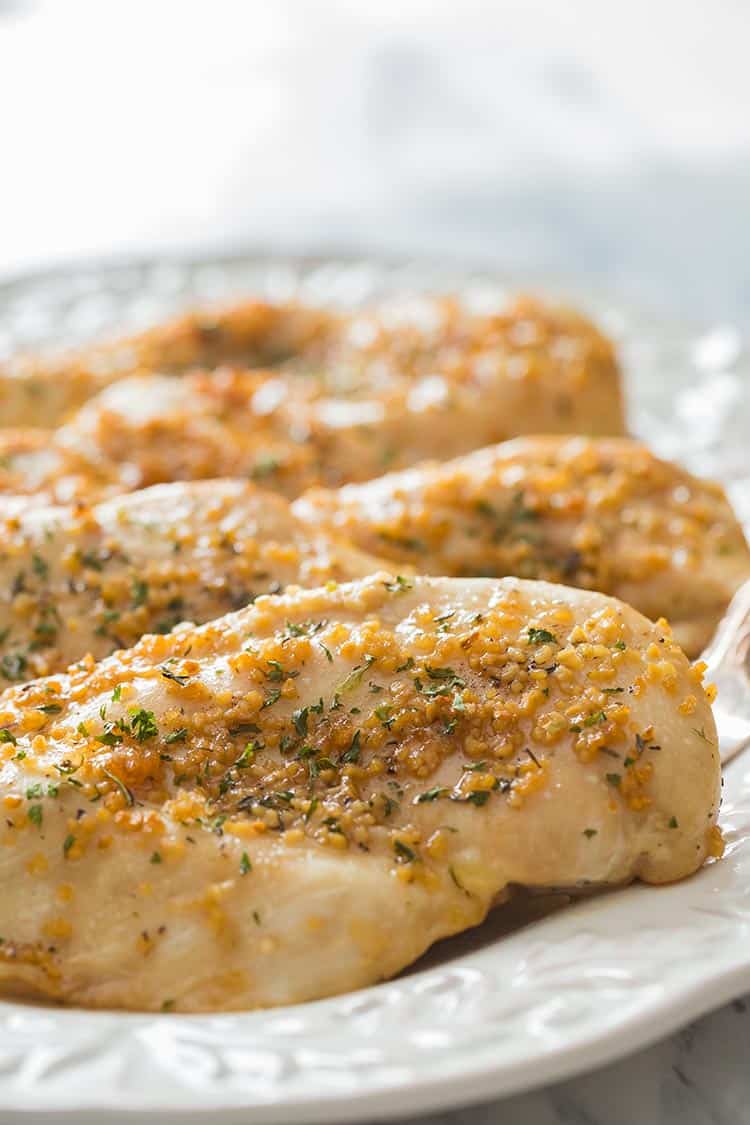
(597, 514)
(602, 514)
(291, 431)
(536, 350)
(77, 580)
(299, 798)
(41, 391)
(35, 470)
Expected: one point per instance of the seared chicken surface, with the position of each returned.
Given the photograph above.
(77, 580)
(526, 344)
(301, 797)
(601, 514)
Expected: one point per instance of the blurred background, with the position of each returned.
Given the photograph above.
(602, 142)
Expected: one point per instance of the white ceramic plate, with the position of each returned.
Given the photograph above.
(501, 1009)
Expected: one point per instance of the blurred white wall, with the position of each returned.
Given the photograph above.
(604, 140)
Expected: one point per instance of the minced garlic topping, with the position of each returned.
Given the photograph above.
(599, 514)
(380, 389)
(343, 716)
(80, 580)
(418, 337)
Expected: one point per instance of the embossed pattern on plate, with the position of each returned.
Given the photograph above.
(493, 1012)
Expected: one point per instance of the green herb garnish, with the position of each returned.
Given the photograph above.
(541, 637)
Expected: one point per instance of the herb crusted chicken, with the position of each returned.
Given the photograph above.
(377, 393)
(80, 580)
(38, 391)
(602, 514)
(299, 798)
(522, 343)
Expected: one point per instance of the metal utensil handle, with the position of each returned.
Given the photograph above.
(728, 660)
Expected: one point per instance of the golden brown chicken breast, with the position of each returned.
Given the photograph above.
(40, 392)
(548, 358)
(35, 471)
(77, 580)
(602, 514)
(299, 798)
(291, 431)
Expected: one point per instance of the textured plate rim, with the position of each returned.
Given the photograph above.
(429, 1093)
(422, 1092)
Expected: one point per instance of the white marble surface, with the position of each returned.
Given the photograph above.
(698, 1077)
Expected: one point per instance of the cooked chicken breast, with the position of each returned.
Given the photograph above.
(293, 431)
(150, 429)
(35, 470)
(605, 515)
(37, 391)
(301, 797)
(78, 580)
(598, 514)
(537, 351)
